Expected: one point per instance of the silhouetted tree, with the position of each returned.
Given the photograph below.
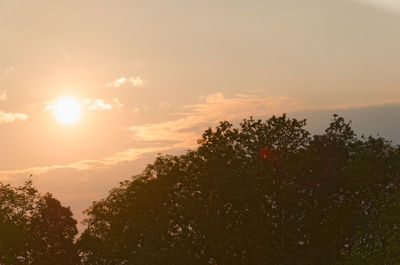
(264, 193)
(54, 231)
(17, 204)
(35, 229)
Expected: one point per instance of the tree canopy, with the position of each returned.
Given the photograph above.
(266, 192)
(35, 228)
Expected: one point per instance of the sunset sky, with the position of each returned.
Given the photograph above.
(147, 77)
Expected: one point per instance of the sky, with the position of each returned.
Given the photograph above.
(149, 77)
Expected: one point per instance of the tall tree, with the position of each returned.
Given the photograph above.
(53, 232)
(264, 193)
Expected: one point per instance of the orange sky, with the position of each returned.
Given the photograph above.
(150, 76)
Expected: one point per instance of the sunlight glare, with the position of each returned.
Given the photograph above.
(67, 110)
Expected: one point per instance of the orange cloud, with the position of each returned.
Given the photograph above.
(135, 81)
(99, 104)
(93, 104)
(130, 154)
(183, 132)
(10, 117)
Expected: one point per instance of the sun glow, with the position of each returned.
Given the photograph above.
(67, 110)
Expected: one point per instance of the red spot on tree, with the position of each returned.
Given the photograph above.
(265, 153)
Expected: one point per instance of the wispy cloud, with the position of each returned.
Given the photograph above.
(3, 95)
(130, 154)
(7, 117)
(120, 81)
(92, 104)
(389, 5)
(100, 104)
(135, 81)
(175, 134)
(183, 132)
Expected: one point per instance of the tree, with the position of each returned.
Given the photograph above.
(17, 204)
(54, 231)
(264, 193)
(35, 228)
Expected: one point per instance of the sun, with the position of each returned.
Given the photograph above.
(67, 110)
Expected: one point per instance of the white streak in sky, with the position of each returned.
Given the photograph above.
(389, 5)
(67, 56)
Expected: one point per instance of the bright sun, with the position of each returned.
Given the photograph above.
(67, 110)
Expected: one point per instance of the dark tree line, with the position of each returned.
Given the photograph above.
(266, 192)
(35, 228)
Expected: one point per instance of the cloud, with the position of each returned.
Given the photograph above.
(389, 5)
(92, 104)
(135, 81)
(10, 117)
(117, 104)
(128, 155)
(183, 132)
(175, 134)
(3, 95)
(99, 104)
(120, 81)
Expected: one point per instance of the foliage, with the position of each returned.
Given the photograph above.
(35, 228)
(265, 193)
